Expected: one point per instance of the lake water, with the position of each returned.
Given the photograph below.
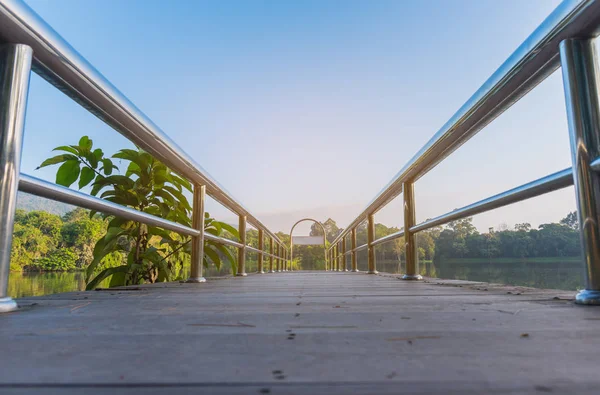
(558, 274)
(37, 284)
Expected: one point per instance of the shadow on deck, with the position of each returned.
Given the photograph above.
(302, 332)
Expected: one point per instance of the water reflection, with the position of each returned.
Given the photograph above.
(36, 284)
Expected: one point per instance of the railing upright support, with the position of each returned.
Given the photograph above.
(335, 258)
(353, 254)
(15, 69)
(242, 250)
(371, 247)
(581, 79)
(271, 251)
(261, 247)
(277, 260)
(409, 237)
(197, 261)
(283, 260)
(344, 257)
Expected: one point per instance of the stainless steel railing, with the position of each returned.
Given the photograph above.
(572, 26)
(27, 43)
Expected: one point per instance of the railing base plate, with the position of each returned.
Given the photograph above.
(241, 275)
(372, 272)
(588, 297)
(412, 277)
(7, 304)
(196, 280)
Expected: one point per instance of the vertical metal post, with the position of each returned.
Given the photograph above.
(271, 251)
(279, 263)
(409, 237)
(15, 68)
(370, 247)
(283, 263)
(344, 257)
(242, 250)
(197, 263)
(334, 259)
(581, 79)
(261, 247)
(353, 243)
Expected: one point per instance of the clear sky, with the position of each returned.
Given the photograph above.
(308, 108)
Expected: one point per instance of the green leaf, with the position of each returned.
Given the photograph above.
(67, 173)
(85, 144)
(97, 185)
(67, 148)
(133, 168)
(108, 166)
(103, 247)
(56, 159)
(117, 279)
(127, 154)
(182, 181)
(98, 154)
(213, 256)
(182, 199)
(87, 175)
(167, 197)
(226, 252)
(233, 231)
(104, 274)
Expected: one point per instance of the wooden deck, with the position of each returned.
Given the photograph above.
(302, 333)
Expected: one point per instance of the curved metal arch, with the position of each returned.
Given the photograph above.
(324, 240)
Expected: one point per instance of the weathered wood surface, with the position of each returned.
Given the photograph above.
(302, 333)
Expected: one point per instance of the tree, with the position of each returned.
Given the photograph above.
(524, 227)
(571, 220)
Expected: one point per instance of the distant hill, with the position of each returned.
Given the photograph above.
(29, 202)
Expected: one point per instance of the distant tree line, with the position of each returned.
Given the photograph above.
(457, 240)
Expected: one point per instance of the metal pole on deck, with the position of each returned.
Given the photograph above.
(581, 79)
(242, 250)
(409, 237)
(271, 251)
(261, 247)
(196, 264)
(353, 241)
(344, 257)
(370, 246)
(15, 69)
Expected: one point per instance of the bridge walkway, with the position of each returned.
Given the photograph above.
(302, 333)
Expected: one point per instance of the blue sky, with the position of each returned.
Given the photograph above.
(310, 107)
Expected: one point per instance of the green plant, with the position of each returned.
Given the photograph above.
(150, 253)
(60, 260)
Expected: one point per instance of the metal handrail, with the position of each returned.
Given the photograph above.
(59, 63)
(550, 183)
(49, 190)
(566, 38)
(534, 60)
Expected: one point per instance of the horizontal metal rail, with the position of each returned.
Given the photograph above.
(550, 183)
(61, 65)
(534, 60)
(252, 249)
(49, 190)
(391, 236)
(223, 240)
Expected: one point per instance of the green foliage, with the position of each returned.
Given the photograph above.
(58, 260)
(149, 254)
